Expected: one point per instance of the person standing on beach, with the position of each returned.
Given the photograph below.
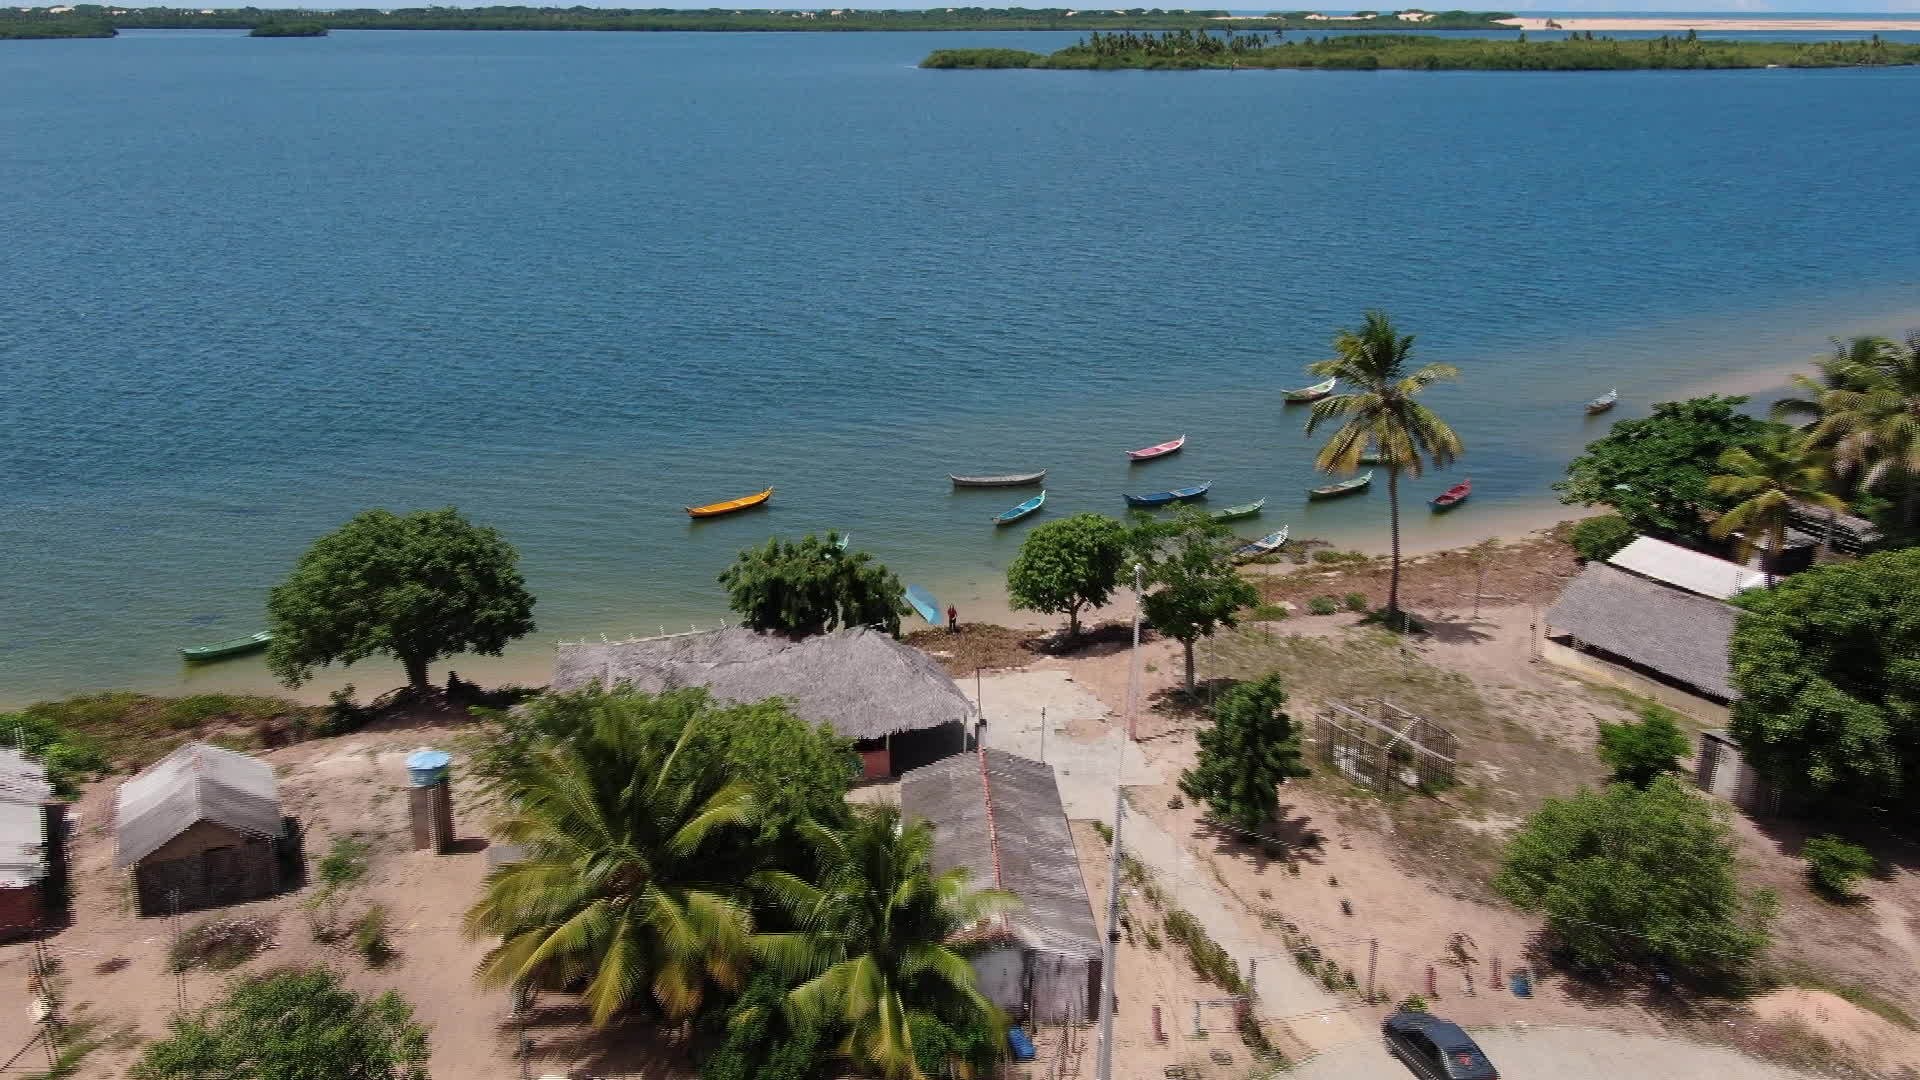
(953, 619)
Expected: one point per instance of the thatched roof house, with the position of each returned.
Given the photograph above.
(1665, 638)
(200, 827)
(892, 700)
(1000, 816)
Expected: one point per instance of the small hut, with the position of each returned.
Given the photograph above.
(200, 828)
(31, 862)
(899, 708)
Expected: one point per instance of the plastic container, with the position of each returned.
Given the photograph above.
(426, 767)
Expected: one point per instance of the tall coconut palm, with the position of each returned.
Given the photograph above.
(612, 889)
(1784, 469)
(874, 954)
(1838, 371)
(1873, 425)
(1380, 414)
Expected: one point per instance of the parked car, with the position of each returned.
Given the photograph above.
(1435, 1049)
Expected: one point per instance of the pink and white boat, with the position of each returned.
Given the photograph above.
(1162, 450)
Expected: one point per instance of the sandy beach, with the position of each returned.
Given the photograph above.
(1677, 23)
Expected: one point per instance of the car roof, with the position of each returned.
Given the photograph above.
(1445, 1034)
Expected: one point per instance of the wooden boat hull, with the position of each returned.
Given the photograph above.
(220, 650)
(1009, 480)
(1266, 545)
(1172, 446)
(923, 602)
(1245, 510)
(1452, 497)
(1032, 505)
(1312, 393)
(1166, 498)
(730, 506)
(1344, 487)
(1604, 402)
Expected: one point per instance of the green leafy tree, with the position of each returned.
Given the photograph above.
(812, 587)
(761, 1039)
(1654, 471)
(1638, 875)
(1252, 748)
(1827, 667)
(1871, 419)
(1597, 539)
(1769, 478)
(1835, 865)
(1196, 589)
(623, 887)
(1382, 412)
(69, 757)
(1067, 565)
(417, 588)
(292, 1025)
(873, 958)
(1639, 751)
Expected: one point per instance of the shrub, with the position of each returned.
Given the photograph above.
(1597, 538)
(1835, 865)
(1355, 601)
(346, 861)
(1412, 1003)
(1639, 751)
(1337, 557)
(220, 945)
(1322, 605)
(370, 936)
(1209, 960)
(1269, 613)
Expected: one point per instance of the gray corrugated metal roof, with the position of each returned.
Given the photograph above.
(1676, 633)
(23, 779)
(1037, 862)
(23, 844)
(195, 783)
(861, 682)
(1685, 568)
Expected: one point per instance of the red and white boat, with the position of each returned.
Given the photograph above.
(1453, 496)
(1162, 450)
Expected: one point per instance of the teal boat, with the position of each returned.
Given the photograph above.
(841, 544)
(924, 603)
(1244, 510)
(220, 650)
(1008, 517)
(1344, 487)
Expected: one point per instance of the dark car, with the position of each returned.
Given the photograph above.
(1435, 1049)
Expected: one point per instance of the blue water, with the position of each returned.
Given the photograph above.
(572, 282)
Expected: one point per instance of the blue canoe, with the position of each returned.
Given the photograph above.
(1162, 498)
(924, 603)
(1008, 517)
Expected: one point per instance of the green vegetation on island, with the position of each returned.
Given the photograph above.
(42, 23)
(289, 29)
(1184, 50)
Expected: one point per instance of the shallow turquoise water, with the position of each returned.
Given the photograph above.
(570, 283)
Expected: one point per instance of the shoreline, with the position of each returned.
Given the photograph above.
(1677, 24)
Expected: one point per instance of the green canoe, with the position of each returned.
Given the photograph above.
(220, 650)
(1244, 510)
(1344, 487)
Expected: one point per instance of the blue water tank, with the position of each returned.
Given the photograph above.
(426, 768)
(1018, 1042)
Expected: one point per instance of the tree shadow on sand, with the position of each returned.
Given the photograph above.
(1288, 838)
(559, 1038)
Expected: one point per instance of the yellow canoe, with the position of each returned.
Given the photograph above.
(744, 502)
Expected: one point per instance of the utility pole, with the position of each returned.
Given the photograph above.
(1104, 1069)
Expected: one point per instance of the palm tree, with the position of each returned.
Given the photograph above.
(874, 953)
(1381, 413)
(612, 890)
(1873, 424)
(1835, 372)
(1769, 478)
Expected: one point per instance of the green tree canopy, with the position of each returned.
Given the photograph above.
(1638, 751)
(1381, 413)
(417, 588)
(1827, 666)
(1768, 478)
(1196, 588)
(812, 587)
(1252, 748)
(1638, 875)
(1654, 471)
(1870, 416)
(763, 1040)
(1067, 565)
(873, 958)
(292, 1025)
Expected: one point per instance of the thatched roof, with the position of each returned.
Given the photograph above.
(1009, 828)
(860, 682)
(1677, 634)
(195, 783)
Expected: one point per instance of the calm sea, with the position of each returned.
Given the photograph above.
(572, 282)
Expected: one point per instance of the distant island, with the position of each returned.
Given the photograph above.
(1186, 50)
(288, 29)
(39, 24)
(743, 19)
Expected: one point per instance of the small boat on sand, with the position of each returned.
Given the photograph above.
(1008, 517)
(1453, 496)
(1604, 402)
(1266, 545)
(1312, 393)
(924, 603)
(1344, 487)
(1171, 446)
(220, 650)
(744, 502)
(1179, 494)
(841, 544)
(1008, 480)
(1244, 510)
